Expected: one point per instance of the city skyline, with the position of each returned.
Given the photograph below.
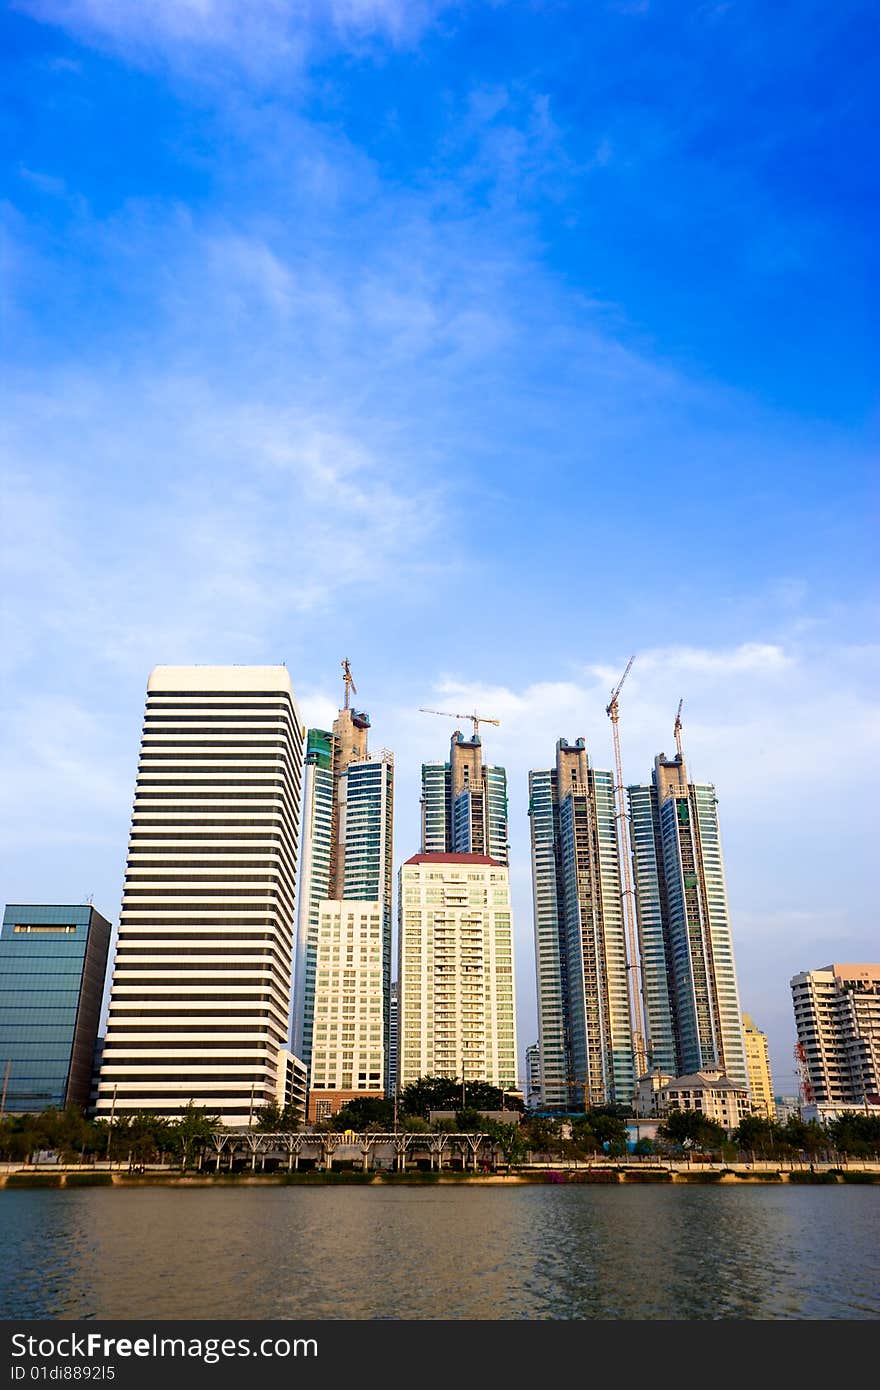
(485, 344)
(525, 961)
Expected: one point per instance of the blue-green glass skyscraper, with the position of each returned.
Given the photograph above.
(464, 803)
(584, 1029)
(53, 960)
(689, 979)
(346, 852)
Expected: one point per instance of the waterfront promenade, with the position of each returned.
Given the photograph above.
(629, 1171)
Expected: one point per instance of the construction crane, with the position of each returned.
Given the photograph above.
(628, 894)
(350, 687)
(478, 719)
(805, 1086)
(677, 731)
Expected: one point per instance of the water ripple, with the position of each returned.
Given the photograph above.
(462, 1253)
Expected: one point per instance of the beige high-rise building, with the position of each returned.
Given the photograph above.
(455, 976)
(837, 1016)
(200, 998)
(758, 1064)
(348, 1058)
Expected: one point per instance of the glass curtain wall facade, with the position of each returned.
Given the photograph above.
(688, 969)
(53, 961)
(347, 846)
(584, 1027)
(314, 882)
(464, 804)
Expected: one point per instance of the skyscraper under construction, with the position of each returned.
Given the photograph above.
(348, 800)
(590, 1048)
(690, 992)
(464, 803)
(584, 1028)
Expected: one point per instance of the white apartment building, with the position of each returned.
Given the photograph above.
(348, 1058)
(200, 996)
(455, 973)
(837, 1016)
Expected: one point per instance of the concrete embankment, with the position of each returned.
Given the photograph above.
(741, 1174)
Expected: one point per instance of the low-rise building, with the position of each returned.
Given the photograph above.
(710, 1092)
(785, 1107)
(53, 959)
(646, 1101)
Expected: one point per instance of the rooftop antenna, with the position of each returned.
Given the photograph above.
(627, 894)
(677, 731)
(350, 687)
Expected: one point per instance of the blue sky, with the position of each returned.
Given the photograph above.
(482, 343)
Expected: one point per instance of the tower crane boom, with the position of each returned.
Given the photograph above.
(350, 687)
(477, 719)
(628, 892)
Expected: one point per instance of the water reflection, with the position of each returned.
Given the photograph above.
(475, 1253)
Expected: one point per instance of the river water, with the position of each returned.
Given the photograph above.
(530, 1252)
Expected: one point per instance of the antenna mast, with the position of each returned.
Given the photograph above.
(627, 894)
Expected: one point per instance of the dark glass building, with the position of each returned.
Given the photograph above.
(52, 965)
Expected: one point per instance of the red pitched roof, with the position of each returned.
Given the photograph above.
(455, 859)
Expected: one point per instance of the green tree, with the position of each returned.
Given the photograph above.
(365, 1112)
(508, 1138)
(542, 1134)
(798, 1136)
(191, 1132)
(856, 1134)
(691, 1128)
(608, 1128)
(757, 1135)
(445, 1093)
(470, 1121)
(269, 1118)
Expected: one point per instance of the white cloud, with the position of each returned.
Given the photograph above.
(261, 35)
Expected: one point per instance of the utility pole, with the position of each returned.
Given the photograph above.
(5, 1087)
(627, 893)
(112, 1117)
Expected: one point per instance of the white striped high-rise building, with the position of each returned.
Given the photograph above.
(585, 1052)
(201, 991)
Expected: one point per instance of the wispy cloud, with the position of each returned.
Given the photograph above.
(262, 36)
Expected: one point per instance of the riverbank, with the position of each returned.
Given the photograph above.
(621, 1173)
